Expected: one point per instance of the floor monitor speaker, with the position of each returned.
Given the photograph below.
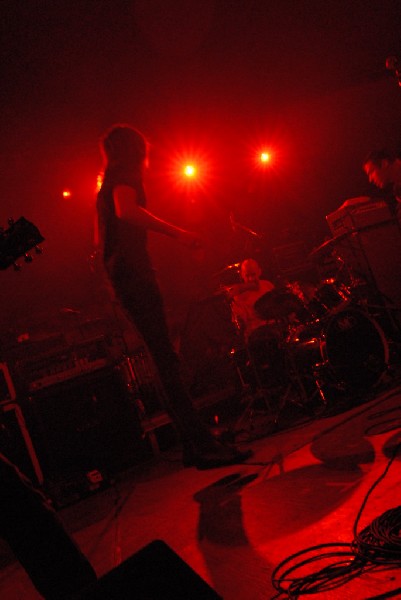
(156, 572)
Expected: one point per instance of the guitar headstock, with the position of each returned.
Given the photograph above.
(16, 241)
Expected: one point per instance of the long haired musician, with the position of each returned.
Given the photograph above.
(122, 224)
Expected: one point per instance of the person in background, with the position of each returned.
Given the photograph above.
(384, 171)
(261, 333)
(123, 222)
(245, 294)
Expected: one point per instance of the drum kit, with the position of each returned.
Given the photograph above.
(328, 344)
(342, 347)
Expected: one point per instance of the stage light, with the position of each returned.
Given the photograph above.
(264, 158)
(189, 165)
(66, 194)
(190, 171)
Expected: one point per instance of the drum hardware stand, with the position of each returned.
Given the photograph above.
(296, 385)
(290, 386)
(320, 379)
(249, 396)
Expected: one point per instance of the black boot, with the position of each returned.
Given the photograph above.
(213, 455)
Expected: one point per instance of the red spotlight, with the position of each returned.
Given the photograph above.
(67, 194)
(264, 158)
(190, 171)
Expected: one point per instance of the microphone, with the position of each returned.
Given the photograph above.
(393, 64)
(236, 226)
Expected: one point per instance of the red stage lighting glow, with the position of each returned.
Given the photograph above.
(67, 194)
(189, 171)
(265, 157)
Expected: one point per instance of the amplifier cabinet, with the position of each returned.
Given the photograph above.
(357, 213)
(86, 424)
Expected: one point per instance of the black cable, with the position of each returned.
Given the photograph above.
(373, 486)
(327, 578)
(378, 545)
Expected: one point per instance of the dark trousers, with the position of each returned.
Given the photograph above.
(141, 299)
(38, 539)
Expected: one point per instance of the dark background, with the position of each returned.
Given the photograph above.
(216, 77)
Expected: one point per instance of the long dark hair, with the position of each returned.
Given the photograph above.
(125, 147)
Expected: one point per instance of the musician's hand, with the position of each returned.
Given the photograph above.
(232, 291)
(194, 243)
(190, 239)
(239, 288)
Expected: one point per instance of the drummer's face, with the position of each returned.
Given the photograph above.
(250, 272)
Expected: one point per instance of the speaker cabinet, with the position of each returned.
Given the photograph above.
(382, 246)
(156, 572)
(86, 425)
(375, 253)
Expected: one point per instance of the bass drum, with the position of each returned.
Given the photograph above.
(351, 350)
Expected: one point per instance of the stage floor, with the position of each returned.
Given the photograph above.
(305, 486)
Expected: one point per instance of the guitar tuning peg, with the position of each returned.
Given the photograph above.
(38, 250)
(28, 258)
(17, 267)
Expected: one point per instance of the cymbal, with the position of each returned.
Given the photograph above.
(327, 246)
(229, 268)
(278, 304)
(229, 275)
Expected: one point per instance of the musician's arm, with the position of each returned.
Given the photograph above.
(128, 209)
(239, 288)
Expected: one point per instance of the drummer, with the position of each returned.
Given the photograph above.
(261, 336)
(244, 296)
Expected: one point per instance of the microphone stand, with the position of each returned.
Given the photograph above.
(235, 225)
(251, 235)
